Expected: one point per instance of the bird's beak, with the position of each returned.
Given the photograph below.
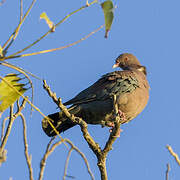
(115, 65)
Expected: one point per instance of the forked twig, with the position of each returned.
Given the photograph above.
(82, 155)
(48, 152)
(55, 49)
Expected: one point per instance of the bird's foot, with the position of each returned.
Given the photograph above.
(112, 125)
(122, 116)
(118, 133)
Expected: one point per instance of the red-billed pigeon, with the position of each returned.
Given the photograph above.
(95, 104)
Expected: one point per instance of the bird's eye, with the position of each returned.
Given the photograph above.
(126, 59)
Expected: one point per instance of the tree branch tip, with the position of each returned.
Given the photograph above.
(3, 155)
(87, 4)
(59, 99)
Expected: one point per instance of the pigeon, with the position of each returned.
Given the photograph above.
(95, 104)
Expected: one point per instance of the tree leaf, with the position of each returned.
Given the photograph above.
(8, 86)
(108, 8)
(48, 21)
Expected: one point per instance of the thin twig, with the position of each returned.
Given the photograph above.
(15, 33)
(87, 3)
(21, 10)
(67, 162)
(46, 155)
(8, 130)
(3, 152)
(3, 128)
(176, 157)
(82, 155)
(17, 68)
(28, 157)
(55, 49)
(50, 93)
(167, 171)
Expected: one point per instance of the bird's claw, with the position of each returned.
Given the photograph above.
(118, 133)
(122, 116)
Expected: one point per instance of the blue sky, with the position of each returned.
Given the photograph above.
(149, 30)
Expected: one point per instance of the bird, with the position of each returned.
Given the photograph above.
(95, 104)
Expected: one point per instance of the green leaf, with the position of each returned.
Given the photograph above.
(108, 8)
(1, 51)
(48, 21)
(9, 86)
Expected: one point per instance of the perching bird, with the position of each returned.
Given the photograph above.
(95, 104)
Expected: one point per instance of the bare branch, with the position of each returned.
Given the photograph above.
(28, 157)
(3, 128)
(55, 49)
(8, 130)
(82, 155)
(167, 171)
(176, 157)
(46, 155)
(3, 155)
(21, 10)
(67, 162)
(50, 93)
(21, 70)
(15, 33)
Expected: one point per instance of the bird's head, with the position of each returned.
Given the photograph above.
(127, 61)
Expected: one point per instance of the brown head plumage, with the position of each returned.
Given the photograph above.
(128, 61)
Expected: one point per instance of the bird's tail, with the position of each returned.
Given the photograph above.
(59, 122)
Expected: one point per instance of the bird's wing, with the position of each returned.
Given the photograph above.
(117, 82)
